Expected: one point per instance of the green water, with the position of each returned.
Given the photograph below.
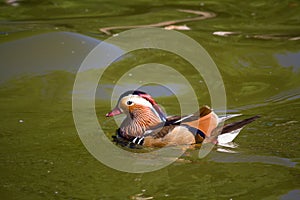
(42, 156)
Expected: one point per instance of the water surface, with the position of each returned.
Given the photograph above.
(42, 156)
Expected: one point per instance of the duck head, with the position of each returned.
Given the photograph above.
(141, 112)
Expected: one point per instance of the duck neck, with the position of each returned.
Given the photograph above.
(138, 122)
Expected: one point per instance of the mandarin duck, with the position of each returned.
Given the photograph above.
(146, 124)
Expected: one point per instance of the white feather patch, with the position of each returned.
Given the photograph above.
(228, 137)
(226, 117)
(139, 100)
(184, 118)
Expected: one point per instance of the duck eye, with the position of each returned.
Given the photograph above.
(129, 103)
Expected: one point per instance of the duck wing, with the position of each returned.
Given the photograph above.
(177, 120)
(193, 120)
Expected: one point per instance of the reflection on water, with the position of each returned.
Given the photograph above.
(43, 53)
(288, 95)
(235, 158)
(289, 59)
(291, 195)
(155, 90)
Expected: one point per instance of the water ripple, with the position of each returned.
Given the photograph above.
(239, 158)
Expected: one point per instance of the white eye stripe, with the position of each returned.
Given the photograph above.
(139, 100)
(135, 99)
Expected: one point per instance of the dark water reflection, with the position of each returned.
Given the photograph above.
(289, 59)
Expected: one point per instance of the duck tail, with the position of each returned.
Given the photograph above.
(239, 124)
